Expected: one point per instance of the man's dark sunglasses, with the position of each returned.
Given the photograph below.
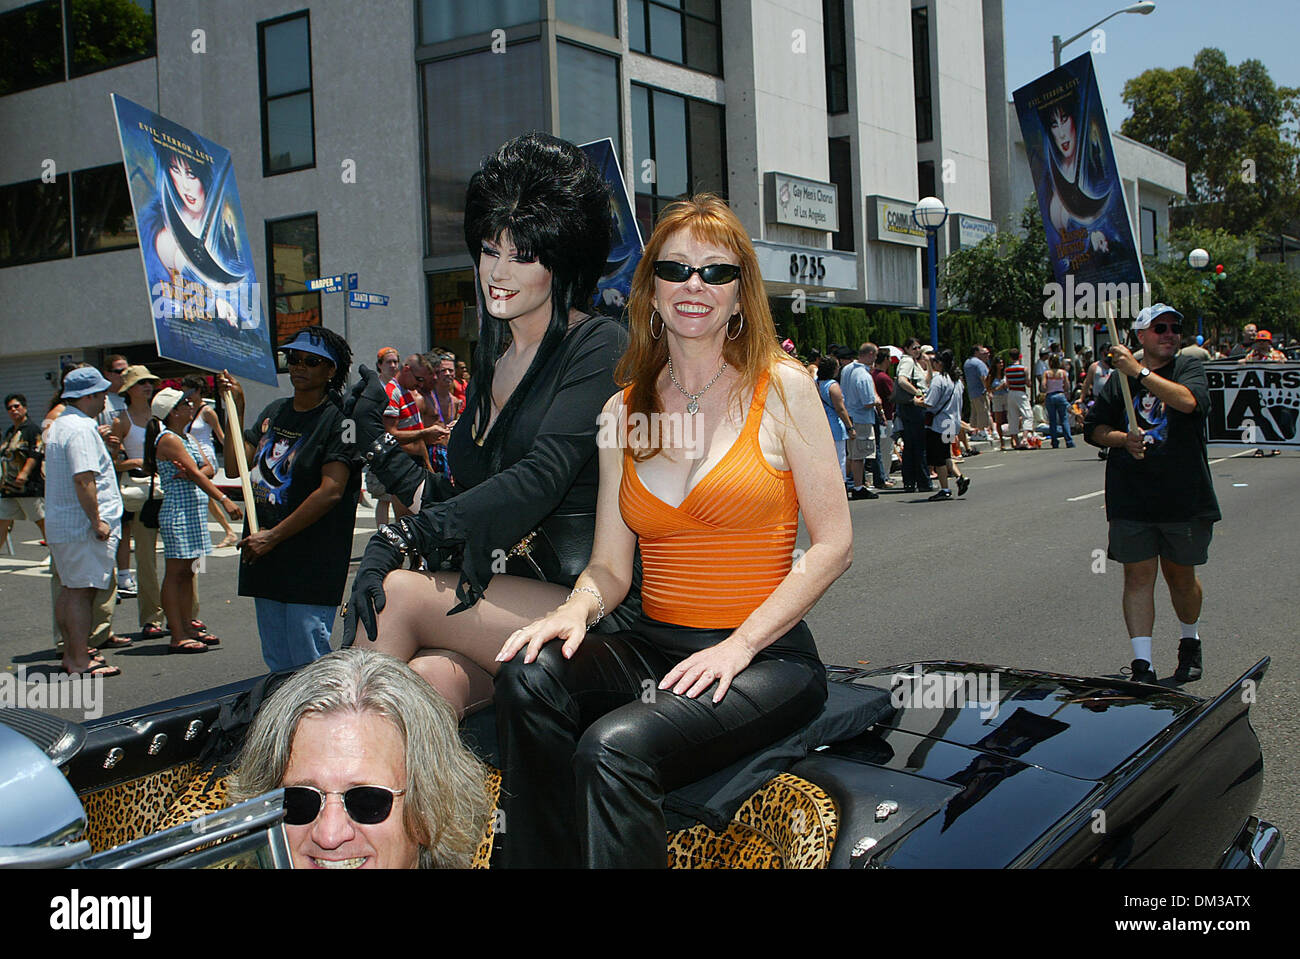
(1161, 328)
(715, 274)
(366, 805)
(309, 360)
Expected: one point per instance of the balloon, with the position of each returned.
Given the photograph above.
(1218, 268)
(1199, 339)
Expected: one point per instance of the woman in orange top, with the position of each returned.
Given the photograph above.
(705, 459)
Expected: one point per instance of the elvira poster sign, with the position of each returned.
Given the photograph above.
(205, 301)
(615, 284)
(1080, 194)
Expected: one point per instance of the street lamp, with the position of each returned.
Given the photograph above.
(930, 214)
(1199, 259)
(1145, 7)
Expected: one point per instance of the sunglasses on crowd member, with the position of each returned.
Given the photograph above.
(715, 274)
(309, 360)
(365, 805)
(1161, 328)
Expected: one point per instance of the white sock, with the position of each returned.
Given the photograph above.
(1189, 629)
(1141, 647)
(122, 576)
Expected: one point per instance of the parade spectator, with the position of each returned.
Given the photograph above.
(462, 382)
(361, 726)
(975, 370)
(115, 366)
(22, 490)
(438, 368)
(996, 381)
(1160, 500)
(1020, 414)
(305, 494)
(1194, 348)
(841, 424)
(138, 386)
(206, 428)
(859, 392)
(185, 474)
(722, 645)
(1055, 385)
(909, 397)
(1262, 351)
(1247, 341)
(404, 415)
(387, 364)
(83, 516)
(943, 423)
(883, 427)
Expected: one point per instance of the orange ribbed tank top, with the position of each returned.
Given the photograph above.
(711, 561)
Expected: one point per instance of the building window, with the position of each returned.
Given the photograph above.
(103, 35)
(31, 47)
(837, 59)
(841, 164)
(597, 15)
(589, 96)
(101, 206)
(1149, 244)
(679, 148)
(34, 222)
(925, 185)
(288, 127)
(450, 19)
(293, 249)
(472, 105)
(453, 316)
(921, 74)
(683, 31)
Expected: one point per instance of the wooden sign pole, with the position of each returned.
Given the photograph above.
(235, 438)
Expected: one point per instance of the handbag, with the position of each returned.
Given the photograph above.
(151, 508)
(929, 417)
(557, 551)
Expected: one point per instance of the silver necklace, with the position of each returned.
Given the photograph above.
(693, 406)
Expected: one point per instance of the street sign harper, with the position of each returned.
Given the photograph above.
(327, 284)
(364, 301)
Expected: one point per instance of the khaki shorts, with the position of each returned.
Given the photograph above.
(862, 447)
(1020, 415)
(30, 508)
(979, 412)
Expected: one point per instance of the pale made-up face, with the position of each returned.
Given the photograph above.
(694, 308)
(188, 186)
(1063, 134)
(515, 285)
(334, 752)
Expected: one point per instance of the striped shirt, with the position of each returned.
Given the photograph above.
(1017, 377)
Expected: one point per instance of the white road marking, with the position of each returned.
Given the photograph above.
(1233, 456)
(993, 467)
(1075, 499)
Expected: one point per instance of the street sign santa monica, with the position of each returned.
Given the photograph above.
(363, 301)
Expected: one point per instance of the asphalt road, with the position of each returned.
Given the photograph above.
(1004, 575)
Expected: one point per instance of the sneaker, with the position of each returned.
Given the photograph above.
(940, 496)
(908, 488)
(1142, 672)
(963, 484)
(863, 493)
(127, 587)
(1189, 661)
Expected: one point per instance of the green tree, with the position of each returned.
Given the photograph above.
(1234, 128)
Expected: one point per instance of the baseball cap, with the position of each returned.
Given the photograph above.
(1264, 335)
(1151, 314)
(84, 381)
(305, 343)
(164, 401)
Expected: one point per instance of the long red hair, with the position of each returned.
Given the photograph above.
(754, 351)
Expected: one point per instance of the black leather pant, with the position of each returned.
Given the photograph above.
(591, 745)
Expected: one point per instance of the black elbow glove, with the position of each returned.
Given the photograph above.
(384, 553)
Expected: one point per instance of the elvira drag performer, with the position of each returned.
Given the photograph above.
(517, 525)
(595, 729)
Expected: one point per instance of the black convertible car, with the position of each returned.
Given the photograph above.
(935, 764)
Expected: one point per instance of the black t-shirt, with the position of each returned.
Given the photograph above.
(548, 458)
(21, 443)
(1171, 483)
(292, 449)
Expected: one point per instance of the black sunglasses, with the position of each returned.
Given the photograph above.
(1160, 328)
(366, 805)
(715, 274)
(309, 360)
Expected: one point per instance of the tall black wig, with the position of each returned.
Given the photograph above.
(555, 204)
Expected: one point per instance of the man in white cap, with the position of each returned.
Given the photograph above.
(1159, 495)
(83, 513)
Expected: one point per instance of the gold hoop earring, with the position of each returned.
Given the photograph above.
(662, 324)
(738, 329)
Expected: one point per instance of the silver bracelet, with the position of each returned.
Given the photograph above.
(600, 613)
